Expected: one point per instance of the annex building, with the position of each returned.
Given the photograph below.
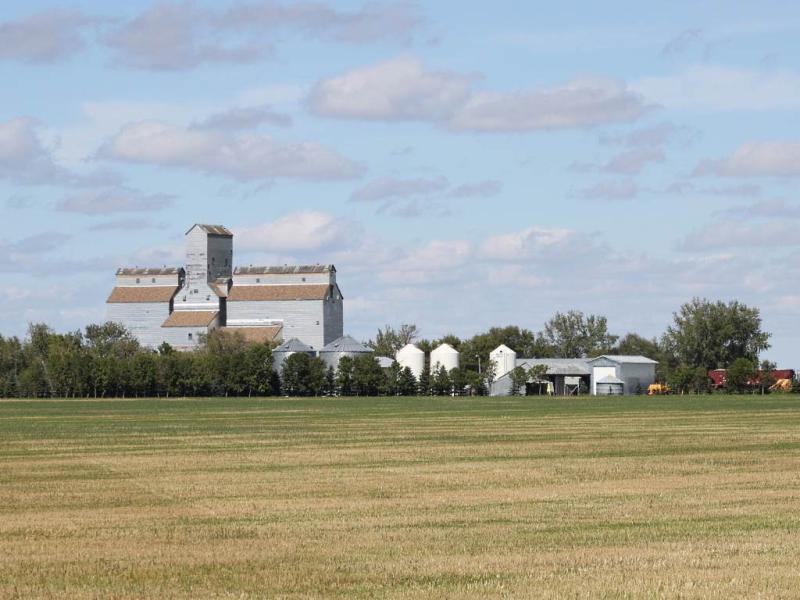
(268, 303)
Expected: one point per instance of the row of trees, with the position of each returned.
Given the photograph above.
(704, 335)
(106, 360)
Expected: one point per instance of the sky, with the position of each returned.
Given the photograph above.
(463, 165)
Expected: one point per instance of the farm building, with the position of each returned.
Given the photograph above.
(603, 375)
(179, 305)
(564, 376)
(719, 377)
(332, 353)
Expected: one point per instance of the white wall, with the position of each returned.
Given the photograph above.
(599, 373)
(303, 319)
(142, 319)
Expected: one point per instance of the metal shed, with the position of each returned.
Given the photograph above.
(344, 346)
(286, 349)
(609, 386)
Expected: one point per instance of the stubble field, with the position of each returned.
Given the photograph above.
(401, 498)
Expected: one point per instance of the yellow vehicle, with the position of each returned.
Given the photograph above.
(658, 389)
(782, 385)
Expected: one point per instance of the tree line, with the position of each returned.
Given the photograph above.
(105, 360)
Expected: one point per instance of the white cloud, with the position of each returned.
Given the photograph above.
(172, 35)
(373, 22)
(610, 190)
(23, 156)
(113, 200)
(390, 188)
(756, 159)
(298, 232)
(44, 37)
(403, 89)
(480, 189)
(533, 243)
(583, 102)
(248, 117)
(766, 209)
(244, 156)
(737, 235)
(717, 88)
(633, 161)
(185, 35)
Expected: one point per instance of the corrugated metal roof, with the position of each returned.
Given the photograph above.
(130, 271)
(212, 229)
(627, 359)
(385, 362)
(256, 334)
(244, 293)
(611, 379)
(144, 293)
(284, 270)
(190, 318)
(293, 345)
(345, 344)
(558, 366)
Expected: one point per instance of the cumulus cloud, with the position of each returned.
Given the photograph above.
(578, 103)
(404, 89)
(633, 161)
(24, 157)
(241, 156)
(717, 88)
(610, 190)
(184, 35)
(44, 37)
(532, 243)
(298, 232)
(756, 159)
(479, 189)
(126, 225)
(390, 188)
(113, 200)
(401, 89)
(370, 23)
(175, 35)
(736, 235)
(248, 117)
(767, 209)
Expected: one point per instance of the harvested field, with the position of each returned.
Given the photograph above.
(401, 498)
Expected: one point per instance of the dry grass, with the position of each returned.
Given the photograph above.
(472, 498)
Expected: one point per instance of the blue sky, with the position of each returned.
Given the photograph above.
(462, 166)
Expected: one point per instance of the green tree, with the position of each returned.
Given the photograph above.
(344, 376)
(407, 383)
(315, 383)
(368, 377)
(575, 335)
(440, 382)
(519, 380)
(715, 334)
(330, 382)
(389, 340)
(538, 375)
(740, 375)
(766, 375)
